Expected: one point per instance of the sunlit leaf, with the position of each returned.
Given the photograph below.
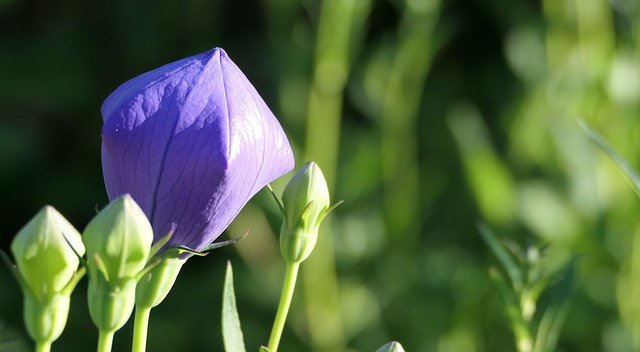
(554, 312)
(630, 174)
(231, 330)
(505, 259)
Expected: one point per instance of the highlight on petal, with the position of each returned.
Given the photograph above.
(192, 142)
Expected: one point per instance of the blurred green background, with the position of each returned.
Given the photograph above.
(426, 116)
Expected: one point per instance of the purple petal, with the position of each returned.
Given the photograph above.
(192, 142)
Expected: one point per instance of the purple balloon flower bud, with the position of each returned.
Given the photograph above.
(192, 142)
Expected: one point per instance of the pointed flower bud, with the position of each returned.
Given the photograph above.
(192, 142)
(305, 202)
(391, 347)
(118, 242)
(47, 271)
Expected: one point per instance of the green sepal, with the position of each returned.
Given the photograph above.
(303, 220)
(13, 269)
(77, 276)
(158, 245)
(150, 265)
(263, 349)
(328, 210)
(184, 249)
(278, 201)
(217, 245)
(102, 268)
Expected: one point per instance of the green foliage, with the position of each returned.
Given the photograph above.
(425, 116)
(534, 298)
(629, 275)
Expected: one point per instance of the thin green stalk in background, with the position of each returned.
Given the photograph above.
(340, 21)
(402, 101)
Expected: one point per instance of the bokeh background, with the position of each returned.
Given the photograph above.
(427, 116)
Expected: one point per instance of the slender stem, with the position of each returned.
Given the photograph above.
(289, 285)
(140, 327)
(43, 346)
(105, 340)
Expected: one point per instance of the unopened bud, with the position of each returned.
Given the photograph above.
(47, 271)
(305, 202)
(118, 243)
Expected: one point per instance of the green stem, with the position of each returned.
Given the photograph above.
(105, 340)
(43, 346)
(288, 287)
(140, 328)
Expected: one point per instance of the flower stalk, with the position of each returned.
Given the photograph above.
(105, 340)
(140, 328)
(290, 278)
(305, 203)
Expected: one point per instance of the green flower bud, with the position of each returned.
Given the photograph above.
(154, 286)
(47, 270)
(391, 347)
(118, 242)
(305, 202)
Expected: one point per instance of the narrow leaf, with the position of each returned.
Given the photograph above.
(231, 330)
(554, 312)
(505, 259)
(511, 308)
(630, 174)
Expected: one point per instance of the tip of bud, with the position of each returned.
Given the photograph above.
(43, 252)
(305, 197)
(118, 242)
(305, 202)
(391, 347)
(121, 236)
(46, 252)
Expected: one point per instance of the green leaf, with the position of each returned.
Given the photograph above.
(511, 308)
(231, 331)
(630, 174)
(554, 312)
(505, 259)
